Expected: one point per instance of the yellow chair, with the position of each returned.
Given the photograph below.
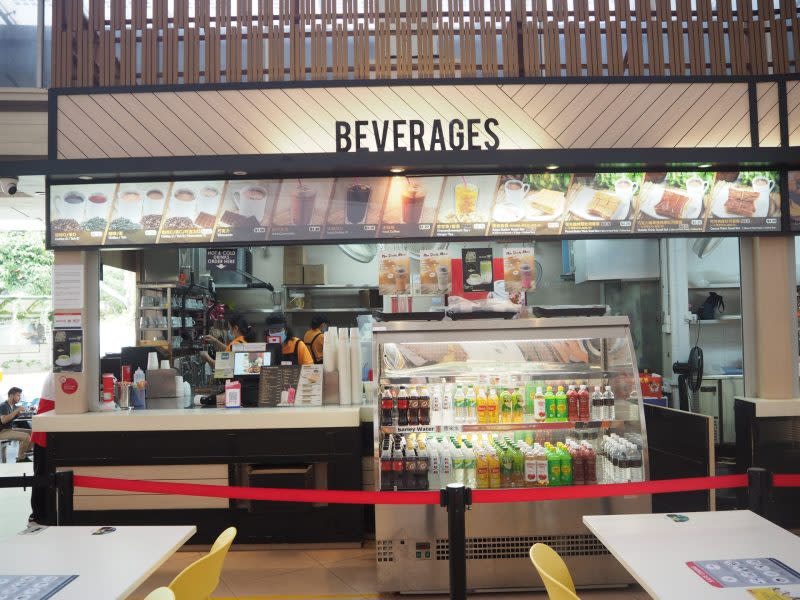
(162, 593)
(554, 573)
(201, 578)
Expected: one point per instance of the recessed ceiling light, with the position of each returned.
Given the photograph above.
(85, 177)
(240, 173)
(551, 167)
(397, 170)
(704, 166)
(41, 193)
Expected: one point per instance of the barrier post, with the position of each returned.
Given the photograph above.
(455, 497)
(65, 488)
(759, 485)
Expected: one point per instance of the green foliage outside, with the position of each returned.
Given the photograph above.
(26, 266)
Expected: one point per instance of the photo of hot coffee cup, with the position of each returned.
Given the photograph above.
(763, 186)
(625, 188)
(97, 207)
(129, 205)
(72, 205)
(696, 187)
(251, 201)
(153, 202)
(184, 204)
(515, 191)
(303, 199)
(208, 200)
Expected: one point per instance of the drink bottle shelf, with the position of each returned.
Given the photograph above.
(491, 427)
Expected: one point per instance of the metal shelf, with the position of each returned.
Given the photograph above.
(732, 318)
(719, 286)
(491, 427)
(329, 286)
(328, 310)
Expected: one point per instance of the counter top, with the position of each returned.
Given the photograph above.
(790, 407)
(194, 419)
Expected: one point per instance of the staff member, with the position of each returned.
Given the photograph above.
(294, 350)
(39, 438)
(239, 330)
(315, 337)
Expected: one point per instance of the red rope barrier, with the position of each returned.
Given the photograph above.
(427, 497)
(786, 480)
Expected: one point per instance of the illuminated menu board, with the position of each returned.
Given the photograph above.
(399, 207)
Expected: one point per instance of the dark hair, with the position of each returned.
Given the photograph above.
(319, 320)
(279, 319)
(243, 326)
(14, 390)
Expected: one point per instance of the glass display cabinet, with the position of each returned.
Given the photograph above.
(502, 404)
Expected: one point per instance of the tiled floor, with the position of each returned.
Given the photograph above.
(290, 574)
(323, 574)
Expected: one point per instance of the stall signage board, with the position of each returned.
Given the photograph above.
(332, 210)
(221, 258)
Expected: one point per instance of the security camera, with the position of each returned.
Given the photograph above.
(8, 185)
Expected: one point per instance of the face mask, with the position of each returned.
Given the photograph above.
(281, 334)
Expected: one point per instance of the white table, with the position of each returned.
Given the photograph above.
(655, 549)
(108, 566)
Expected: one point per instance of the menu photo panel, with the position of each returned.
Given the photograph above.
(191, 211)
(301, 209)
(533, 204)
(794, 200)
(246, 210)
(357, 207)
(411, 207)
(603, 203)
(745, 201)
(79, 215)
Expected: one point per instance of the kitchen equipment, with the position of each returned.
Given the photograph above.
(124, 396)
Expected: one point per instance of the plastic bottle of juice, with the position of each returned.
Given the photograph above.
(572, 404)
(506, 467)
(470, 467)
(518, 401)
(448, 417)
(492, 406)
(446, 460)
(550, 404)
(539, 406)
(553, 465)
(584, 404)
(530, 403)
(506, 406)
(494, 469)
(458, 465)
(561, 404)
(518, 476)
(482, 470)
(531, 473)
(542, 466)
(566, 464)
(460, 405)
(483, 407)
(472, 406)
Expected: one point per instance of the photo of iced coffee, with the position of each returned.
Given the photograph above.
(413, 201)
(303, 199)
(357, 203)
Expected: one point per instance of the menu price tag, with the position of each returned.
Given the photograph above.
(309, 386)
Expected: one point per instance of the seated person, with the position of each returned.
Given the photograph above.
(8, 412)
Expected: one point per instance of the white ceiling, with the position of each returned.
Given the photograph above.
(25, 209)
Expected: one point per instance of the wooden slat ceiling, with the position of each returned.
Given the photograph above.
(205, 41)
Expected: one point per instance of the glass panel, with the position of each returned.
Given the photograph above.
(18, 43)
(511, 408)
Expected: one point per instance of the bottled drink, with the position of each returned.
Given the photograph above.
(609, 410)
(435, 466)
(539, 406)
(506, 468)
(584, 404)
(578, 465)
(435, 392)
(531, 473)
(483, 408)
(448, 409)
(561, 404)
(506, 406)
(482, 470)
(518, 475)
(635, 463)
(572, 404)
(530, 403)
(566, 464)
(413, 407)
(494, 469)
(493, 407)
(623, 465)
(402, 407)
(446, 461)
(597, 405)
(423, 466)
(550, 404)
(386, 469)
(470, 467)
(590, 464)
(424, 406)
(518, 402)
(542, 466)
(460, 405)
(387, 405)
(458, 464)
(472, 406)
(553, 465)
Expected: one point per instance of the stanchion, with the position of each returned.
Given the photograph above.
(64, 490)
(759, 486)
(455, 497)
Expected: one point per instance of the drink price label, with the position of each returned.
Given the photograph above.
(314, 229)
(259, 229)
(369, 228)
(771, 221)
(553, 225)
(697, 222)
(97, 234)
(625, 223)
(425, 227)
(479, 226)
(150, 232)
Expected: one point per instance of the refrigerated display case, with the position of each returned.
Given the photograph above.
(461, 401)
